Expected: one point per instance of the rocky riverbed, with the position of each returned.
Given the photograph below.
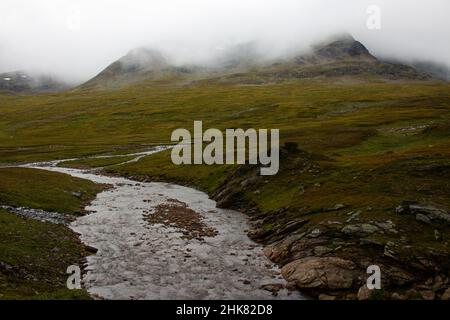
(148, 249)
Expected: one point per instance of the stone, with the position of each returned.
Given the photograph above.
(322, 250)
(397, 276)
(327, 297)
(437, 235)
(433, 213)
(396, 296)
(320, 273)
(315, 233)
(339, 206)
(440, 282)
(387, 226)
(353, 215)
(412, 294)
(446, 295)
(400, 210)
(423, 218)
(427, 294)
(425, 213)
(364, 293)
(362, 229)
(77, 194)
(291, 286)
(280, 250)
(91, 250)
(272, 287)
(249, 182)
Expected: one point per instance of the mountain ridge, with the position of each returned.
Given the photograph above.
(25, 82)
(336, 57)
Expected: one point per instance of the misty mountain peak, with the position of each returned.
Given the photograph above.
(341, 48)
(143, 59)
(240, 55)
(138, 64)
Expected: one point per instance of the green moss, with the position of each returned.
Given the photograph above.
(50, 191)
(39, 254)
(159, 167)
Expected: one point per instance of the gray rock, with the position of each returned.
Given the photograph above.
(362, 229)
(77, 194)
(339, 206)
(423, 218)
(353, 215)
(387, 226)
(425, 213)
(433, 213)
(315, 233)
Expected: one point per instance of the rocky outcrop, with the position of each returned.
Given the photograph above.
(425, 213)
(329, 273)
(325, 251)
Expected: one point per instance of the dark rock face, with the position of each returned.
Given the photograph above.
(343, 49)
(346, 56)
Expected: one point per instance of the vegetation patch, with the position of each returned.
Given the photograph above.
(49, 191)
(34, 257)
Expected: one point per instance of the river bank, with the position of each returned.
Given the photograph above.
(325, 224)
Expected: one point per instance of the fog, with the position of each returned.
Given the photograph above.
(76, 39)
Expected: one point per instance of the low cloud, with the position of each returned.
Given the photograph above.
(76, 39)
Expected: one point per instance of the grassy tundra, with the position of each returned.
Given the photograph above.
(364, 148)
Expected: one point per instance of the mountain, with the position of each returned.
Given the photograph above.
(342, 56)
(20, 81)
(139, 64)
(342, 48)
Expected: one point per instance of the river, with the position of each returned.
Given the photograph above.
(138, 259)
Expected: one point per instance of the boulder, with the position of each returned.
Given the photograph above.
(321, 273)
(364, 293)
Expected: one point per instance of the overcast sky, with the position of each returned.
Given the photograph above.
(78, 38)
